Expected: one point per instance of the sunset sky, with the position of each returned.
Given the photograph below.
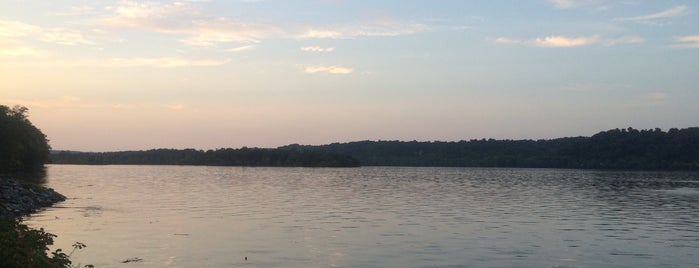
(125, 75)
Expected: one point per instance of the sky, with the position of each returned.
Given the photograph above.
(133, 75)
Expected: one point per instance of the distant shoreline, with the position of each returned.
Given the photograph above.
(617, 149)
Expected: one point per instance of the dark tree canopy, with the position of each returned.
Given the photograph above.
(676, 149)
(221, 157)
(23, 147)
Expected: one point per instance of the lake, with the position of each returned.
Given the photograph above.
(192, 216)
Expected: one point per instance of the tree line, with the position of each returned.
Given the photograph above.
(651, 149)
(221, 157)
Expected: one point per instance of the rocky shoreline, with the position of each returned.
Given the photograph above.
(19, 198)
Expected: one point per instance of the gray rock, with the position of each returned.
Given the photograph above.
(18, 199)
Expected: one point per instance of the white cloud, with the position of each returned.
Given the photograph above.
(665, 14)
(568, 4)
(557, 41)
(17, 29)
(318, 49)
(564, 4)
(64, 37)
(12, 28)
(185, 19)
(328, 69)
(163, 62)
(240, 48)
(507, 41)
(368, 30)
(563, 41)
(688, 41)
(313, 33)
(76, 11)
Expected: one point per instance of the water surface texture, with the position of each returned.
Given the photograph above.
(184, 216)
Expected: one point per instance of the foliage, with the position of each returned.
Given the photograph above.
(21, 246)
(220, 157)
(614, 149)
(23, 147)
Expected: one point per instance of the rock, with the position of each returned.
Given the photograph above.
(18, 199)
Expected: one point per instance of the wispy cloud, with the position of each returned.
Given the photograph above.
(631, 39)
(563, 41)
(188, 21)
(688, 41)
(563, 4)
(559, 41)
(366, 30)
(569, 4)
(328, 69)
(507, 41)
(18, 29)
(163, 62)
(318, 49)
(13, 28)
(76, 11)
(13, 48)
(240, 48)
(653, 18)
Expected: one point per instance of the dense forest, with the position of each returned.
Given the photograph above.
(653, 149)
(221, 157)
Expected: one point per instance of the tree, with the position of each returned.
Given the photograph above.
(23, 147)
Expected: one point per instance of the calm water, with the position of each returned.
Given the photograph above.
(374, 217)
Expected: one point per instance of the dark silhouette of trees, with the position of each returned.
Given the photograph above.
(614, 149)
(23, 147)
(220, 157)
(652, 149)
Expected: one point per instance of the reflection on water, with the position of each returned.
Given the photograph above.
(374, 217)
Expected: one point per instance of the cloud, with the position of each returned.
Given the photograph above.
(665, 14)
(563, 4)
(313, 33)
(13, 48)
(507, 41)
(328, 69)
(13, 28)
(688, 41)
(163, 62)
(240, 48)
(631, 39)
(367, 30)
(569, 4)
(76, 11)
(558, 41)
(185, 19)
(318, 49)
(18, 29)
(563, 41)
(64, 37)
